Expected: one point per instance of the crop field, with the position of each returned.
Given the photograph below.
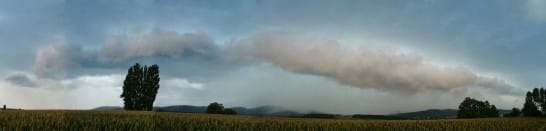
(128, 120)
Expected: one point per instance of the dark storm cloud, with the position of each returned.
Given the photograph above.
(120, 51)
(21, 80)
(56, 57)
(158, 42)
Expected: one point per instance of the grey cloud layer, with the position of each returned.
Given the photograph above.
(364, 67)
(55, 57)
(359, 66)
(119, 49)
(21, 80)
(158, 43)
(488, 35)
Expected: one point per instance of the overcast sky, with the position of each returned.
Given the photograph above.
(335, 56)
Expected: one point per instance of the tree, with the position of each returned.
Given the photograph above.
(515, 113)
(542, 99)
(530, 109)
(538, 98)
(472, 108)
(130, 85)
(532, 99)
(493, 112)
(466, 110)
(215, 108)
(140, 87)
(150, 86)
(229, 111)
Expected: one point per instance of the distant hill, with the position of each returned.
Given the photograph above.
(108, 108)
(504, 111)
(380, 117)
(436, 114)
(258, 111)
(429, 114)
(183, 108)
(267, 111)
(276, 111)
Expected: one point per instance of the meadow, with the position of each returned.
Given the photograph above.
(138, 120)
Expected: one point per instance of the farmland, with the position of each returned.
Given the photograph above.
(134, 120)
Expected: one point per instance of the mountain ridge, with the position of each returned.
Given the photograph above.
(277, 111)
(256, 111)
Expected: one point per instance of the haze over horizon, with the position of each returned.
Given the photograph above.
(346, 57)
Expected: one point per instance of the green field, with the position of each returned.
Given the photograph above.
(129, 120)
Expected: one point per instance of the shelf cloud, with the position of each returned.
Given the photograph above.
(364, 67)
(357, 66)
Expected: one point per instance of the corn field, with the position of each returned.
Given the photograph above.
(134, 120)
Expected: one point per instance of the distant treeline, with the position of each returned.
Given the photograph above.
(382, 117)
(320, 115)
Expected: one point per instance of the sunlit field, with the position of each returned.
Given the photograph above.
(127, 120)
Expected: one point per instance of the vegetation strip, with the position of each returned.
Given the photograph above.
(142, 120)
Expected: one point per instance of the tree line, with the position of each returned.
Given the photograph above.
(472, 108)
(535, 105)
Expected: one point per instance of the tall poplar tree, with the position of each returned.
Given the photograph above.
(140, 87)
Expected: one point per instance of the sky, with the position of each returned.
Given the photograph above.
(342, 56)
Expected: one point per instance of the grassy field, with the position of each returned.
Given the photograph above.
(127, 120)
